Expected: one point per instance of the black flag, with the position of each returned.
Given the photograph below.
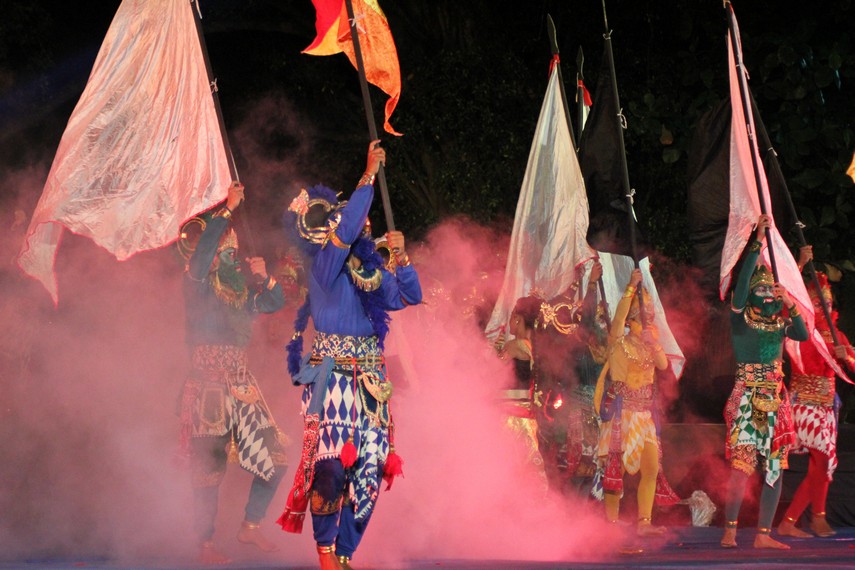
(601, 157)
(709, 187)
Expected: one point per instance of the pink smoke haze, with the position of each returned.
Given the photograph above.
(88, 420)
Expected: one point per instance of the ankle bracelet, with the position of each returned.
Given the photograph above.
(731, 524)
(819, 515)
(250, 525)
(766, 531)
(790, 520)
(326, 549)
(644, 520)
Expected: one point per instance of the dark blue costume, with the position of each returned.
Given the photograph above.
(222, 403)
(346, 392)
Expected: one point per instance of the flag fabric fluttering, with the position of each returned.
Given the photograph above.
(583, 102)
(617, 269)
(142, 151)
(379, 55)
(745, 202)
(551, 220)
(745, 209)
(601, 161)
(709, 186)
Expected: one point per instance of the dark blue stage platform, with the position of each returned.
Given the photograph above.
(684, 547)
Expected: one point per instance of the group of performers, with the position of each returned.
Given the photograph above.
(585, 399)
(592, 396)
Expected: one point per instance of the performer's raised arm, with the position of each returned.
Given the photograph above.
(348, 223)
(743, 282)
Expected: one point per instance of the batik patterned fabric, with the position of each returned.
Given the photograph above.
(222, 396)
(356, 404)
(622, 440)
(815, 416)
(635, 428)
(759, 420)
(582, 432)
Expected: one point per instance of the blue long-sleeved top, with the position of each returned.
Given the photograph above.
(210, 320)
(336, 307)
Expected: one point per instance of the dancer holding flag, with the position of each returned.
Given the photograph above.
(222, 404)
(815, 405)
(348, 442)
(629, 436)
(758, 414)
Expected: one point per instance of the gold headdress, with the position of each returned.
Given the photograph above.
(761, 276)
(824, 286)
(192, 230)
(649, 309)
(228, 240)
(303, 204)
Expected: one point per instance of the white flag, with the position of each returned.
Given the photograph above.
(551, 220)
(142, 151)
(617, 270)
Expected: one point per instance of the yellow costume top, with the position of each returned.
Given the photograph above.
(631, 360)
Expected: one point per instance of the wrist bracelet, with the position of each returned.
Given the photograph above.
(403, 261)
(366, 179)
(629, 292)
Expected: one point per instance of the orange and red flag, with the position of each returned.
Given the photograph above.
(379, 54)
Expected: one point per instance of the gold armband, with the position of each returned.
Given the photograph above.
(794, 311)
(630, 291)
(366, 179)
(225, 213)
(332, 237)
(755, 246)
(271, 283)
(403, 261)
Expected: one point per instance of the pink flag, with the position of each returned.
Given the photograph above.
(745, 209)
(142, 151)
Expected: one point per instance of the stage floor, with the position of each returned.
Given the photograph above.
(681, 548)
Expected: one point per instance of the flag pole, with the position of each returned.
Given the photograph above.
(197, 17)
(749, 124)
(621, 122)
(556, 63)
(826, 309)
(369, 113)
(580, 93)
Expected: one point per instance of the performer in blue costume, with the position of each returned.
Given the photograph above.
(222, 404)
(348, 439)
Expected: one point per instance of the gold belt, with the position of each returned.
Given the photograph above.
(813, 389)
(768, 384)
(362, 361)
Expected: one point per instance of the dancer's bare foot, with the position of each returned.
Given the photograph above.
(788, 528)
(250, 533)
(820, 527)
(645, 528)
(209, 554)
(766, 541)
(328, 559)
(729, 538)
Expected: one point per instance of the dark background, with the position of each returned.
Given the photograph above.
(474, 75)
